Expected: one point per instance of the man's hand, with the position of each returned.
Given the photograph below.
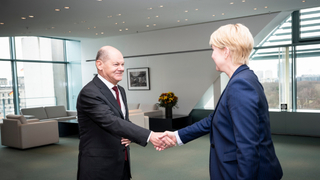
(126, 142)
(169, 134)
(161, 144)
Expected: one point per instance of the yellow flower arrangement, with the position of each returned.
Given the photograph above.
(168, 100)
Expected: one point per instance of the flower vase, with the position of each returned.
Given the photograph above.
(168, 112)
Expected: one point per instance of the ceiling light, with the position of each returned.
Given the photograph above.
(115, 23)
(127, 29)
(178, 21)
(1, 23)
(157, 16)
(120, 29)
(30, 16)
(23, 18)
(57, 9)
(94, 27)
(118, 14)
(213, 15)
(186, 19)
(102, 32)
(123, 22)
(69, 31)
(243, 0)
(161, 6)
(148, 18)
(266, 7)
(99, 0)
(96, 33)
(255, 9)
(303, 1)
(147, 25)
(196, 9)
(231, 3)
(52, 27)
(67, 7)
(222, 14)
(88, 28)
(186, 11)
(154, 24)
(109, 16)
(149, 8)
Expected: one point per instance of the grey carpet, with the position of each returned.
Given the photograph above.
(299, 157)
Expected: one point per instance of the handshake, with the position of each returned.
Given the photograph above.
(160, 141)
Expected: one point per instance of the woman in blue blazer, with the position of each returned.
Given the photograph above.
(241, 145)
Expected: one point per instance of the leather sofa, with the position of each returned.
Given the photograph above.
(50, 112)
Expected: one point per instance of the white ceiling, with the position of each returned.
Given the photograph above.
(97, 19)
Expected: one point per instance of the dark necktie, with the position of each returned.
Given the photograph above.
(115, 88)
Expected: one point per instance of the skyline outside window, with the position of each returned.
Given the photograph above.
(6, 90)
(308, 77)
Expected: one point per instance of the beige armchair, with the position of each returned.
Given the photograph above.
(137, 117)
(17, 132)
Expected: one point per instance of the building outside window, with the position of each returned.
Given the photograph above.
(289, 72)
(39, 67)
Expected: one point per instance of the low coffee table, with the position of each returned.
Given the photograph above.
(161, 123)
(68, 127)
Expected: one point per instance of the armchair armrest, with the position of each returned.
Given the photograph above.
(71, 113)
(153, 113)
(146, 122)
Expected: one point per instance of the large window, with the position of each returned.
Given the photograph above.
(272, 67)
(287, 64)
(34, 73)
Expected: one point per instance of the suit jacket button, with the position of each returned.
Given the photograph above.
(212, 145)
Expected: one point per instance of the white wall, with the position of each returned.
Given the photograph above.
(188, 75)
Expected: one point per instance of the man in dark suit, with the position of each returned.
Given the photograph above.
(105, 130)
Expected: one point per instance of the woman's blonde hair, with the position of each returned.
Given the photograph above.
(237, 38)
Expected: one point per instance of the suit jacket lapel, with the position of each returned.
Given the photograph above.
(107, 93)
(124, 99)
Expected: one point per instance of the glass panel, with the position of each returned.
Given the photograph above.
(38, 48)
(73, 51)
(308, 77)
(280, 35)
(272, 67)
(310, 23)
(5, 48)
(41, 84)
(6, 93)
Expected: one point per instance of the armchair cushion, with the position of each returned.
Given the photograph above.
(21, 118)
